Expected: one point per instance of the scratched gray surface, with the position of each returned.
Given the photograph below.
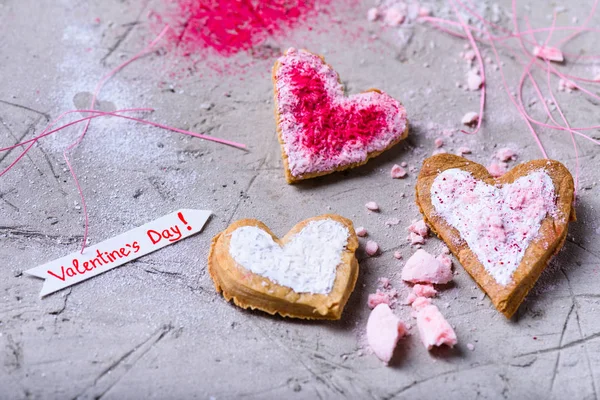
(155, 328)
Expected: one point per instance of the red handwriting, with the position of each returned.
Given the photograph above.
(172, 234)
(101, 259)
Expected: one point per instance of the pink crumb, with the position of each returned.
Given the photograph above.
(439, 142)
(371, 248)
(361, 231)
(433, 327)
(410, 298)
(548, 53)
(566, 85)
(378, 298)
(384, 330)
(470, 346)
(419, 302)
(470, 118)
(397, 172)
(403, 164)
(394, 16)
(385, 282)
(423, 267)
(474, 81)
(445, 250)
(424, 290)
(392, 221)
(424, 11)
(416, 239)
(398, 255)
(371, 205)
(506, 154)
(372, 14)
(419, 227)
(469, 55)
(496, 169)
(463, 150)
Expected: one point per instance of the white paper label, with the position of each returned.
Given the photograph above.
(111, 253)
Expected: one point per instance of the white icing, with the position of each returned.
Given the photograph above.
(306, 264)
(498, 223)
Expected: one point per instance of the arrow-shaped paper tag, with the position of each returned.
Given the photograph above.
(116, 251)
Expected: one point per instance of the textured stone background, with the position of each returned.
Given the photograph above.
(155, 328)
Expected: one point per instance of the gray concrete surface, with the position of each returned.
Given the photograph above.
(155, 328)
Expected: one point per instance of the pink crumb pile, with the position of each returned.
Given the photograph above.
(418, 231)
(385, 294)
(434, 330)
(423, 267)
(423, 291)
(384, 330)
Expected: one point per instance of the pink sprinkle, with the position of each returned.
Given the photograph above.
(398, 255)
(371, 248)
(506, 154)
(384, 330)
(433, 327)
(463, 150)
(474, 81)
(439, 142)
(496, 169)
(372, 14)
(548, 53)
(372, 206)
(397, 172)
(392, 221)
(419, 227)
(424, 290)
(470, 346)
(404, 164)
(423, 267)
(470, 118)
(416, 239)
(378, 298)
(361, 231)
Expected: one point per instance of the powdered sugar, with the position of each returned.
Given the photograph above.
(306, 264)
(497, 222)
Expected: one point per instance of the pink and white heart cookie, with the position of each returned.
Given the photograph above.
(505, 230)
(320, 129)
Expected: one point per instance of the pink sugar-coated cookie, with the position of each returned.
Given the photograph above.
(433, 328)
(320, 129)
(384, 330)
(422, 267)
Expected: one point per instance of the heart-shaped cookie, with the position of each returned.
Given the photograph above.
(308, 274)
(504, 231)
(320, 129)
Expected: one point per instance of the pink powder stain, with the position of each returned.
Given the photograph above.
(231, 26)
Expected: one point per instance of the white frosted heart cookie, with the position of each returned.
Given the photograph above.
(505, 230)
(309, 273)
